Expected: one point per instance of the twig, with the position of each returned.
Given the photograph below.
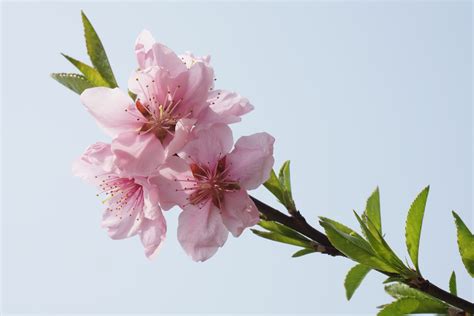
(299, 223)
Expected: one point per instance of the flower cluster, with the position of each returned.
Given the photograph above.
(172, 146)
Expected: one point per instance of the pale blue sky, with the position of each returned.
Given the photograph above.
(357, 94)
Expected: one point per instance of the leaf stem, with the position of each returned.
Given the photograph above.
(299, 223)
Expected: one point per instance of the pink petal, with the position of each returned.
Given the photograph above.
(170, 184)
(239, 212)
(96, 160)
(167, 60)
(122, 223)
(189, 59)
(252, 160)
(209, 145)
(143, 83)
(201, 231)
(151, 203)
(199, 80)
(137, 154)
(182, 135)
(108, 107)
(143, 49)
(225, 107)
(152, 235)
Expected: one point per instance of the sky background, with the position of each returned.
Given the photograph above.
(357, 94)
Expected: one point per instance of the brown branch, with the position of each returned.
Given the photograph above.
(299, 223)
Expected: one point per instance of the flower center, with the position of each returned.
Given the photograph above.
(159, 114)
(123, 195)
(211, 183)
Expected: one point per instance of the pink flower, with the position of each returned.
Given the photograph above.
(211, 183)
(132, 203)
(174, 95)
(224, 106)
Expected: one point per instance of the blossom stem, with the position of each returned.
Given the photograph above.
(299, 223)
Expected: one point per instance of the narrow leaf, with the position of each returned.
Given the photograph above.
(453, 289)
(380, 246)
(283, 239)
(284, 176)
(413, 225)
(353, 248)
(91, 74)
(283, 230)
(372, 210)
(354, 278)
(273, 185)
(341, 227)
(303, 252)
(75, 82)
(96, 52)
(465, 243)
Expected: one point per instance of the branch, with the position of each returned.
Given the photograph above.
(299, 223)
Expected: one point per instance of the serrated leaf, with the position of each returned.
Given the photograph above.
(283, 239)
(75, 82)
(283, 230)
(303, 252)
(372, 210)
(428, 304)
(354, 278)
(274, 186)
(353, 248)
(453, 289)
(465, 244)
(96, 52)
(380, 246)
(413, 225)
(400, 307)
(91, 74)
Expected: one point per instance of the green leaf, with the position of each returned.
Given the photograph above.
(357, 238)
(453, 289)
(353, 248)
(372, 210)
(392, 279)
(284, 176)
(303, 252)
(273, 185)
(401, 307)
(281, 238)
(132, 95)
(413, 225)
(96, 52)
(75, 82)
(285, 185)
(91, 74)
(380, 246)
(400, 290)
(282, 230)
(428, 304)
(354, 278)
(465, 243)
